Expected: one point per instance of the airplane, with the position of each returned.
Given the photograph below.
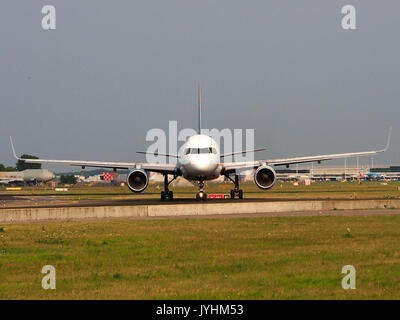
(373, 176)
(200, 160)
(26, 176)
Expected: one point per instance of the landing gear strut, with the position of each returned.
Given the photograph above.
(201, 195)
(236, 191)
(166, 194)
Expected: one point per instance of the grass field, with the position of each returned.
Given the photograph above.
(257, 258)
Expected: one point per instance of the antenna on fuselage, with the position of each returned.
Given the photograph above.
(199, 107)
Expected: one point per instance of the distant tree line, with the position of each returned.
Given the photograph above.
(4, 168)
(21, 165)
(68, 179)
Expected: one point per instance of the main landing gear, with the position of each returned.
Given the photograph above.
(236, 191)
(201, 195)
(166, 194)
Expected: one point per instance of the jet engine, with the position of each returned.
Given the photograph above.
(265, 177)
(137, 180)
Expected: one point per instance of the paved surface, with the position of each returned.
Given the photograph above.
(60, 201)
(183, 208)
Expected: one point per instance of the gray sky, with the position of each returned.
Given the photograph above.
(112, 70)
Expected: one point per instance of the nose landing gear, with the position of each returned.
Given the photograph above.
(201, 195)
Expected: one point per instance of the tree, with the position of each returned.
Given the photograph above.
(4, 168)
(68, 179)
(22, 165)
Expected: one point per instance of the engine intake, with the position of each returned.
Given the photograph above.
(265, 177)
(137, 180)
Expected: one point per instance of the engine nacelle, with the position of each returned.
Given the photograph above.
(265, 177)
(137, 180)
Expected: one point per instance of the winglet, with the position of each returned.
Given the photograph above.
(13, 149)
(388, 139)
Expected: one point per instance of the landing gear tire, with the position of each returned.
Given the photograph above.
(235, 192)
(239, 194)
(167, 195)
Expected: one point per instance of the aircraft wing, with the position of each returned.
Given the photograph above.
(154, 167)
(230, 167)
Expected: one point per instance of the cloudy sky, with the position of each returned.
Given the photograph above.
(112, 70)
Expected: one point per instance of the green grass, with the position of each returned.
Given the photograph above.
(257, 258)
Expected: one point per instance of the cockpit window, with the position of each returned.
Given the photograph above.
(201, 151)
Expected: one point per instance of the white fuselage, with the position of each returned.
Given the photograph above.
(199, 158)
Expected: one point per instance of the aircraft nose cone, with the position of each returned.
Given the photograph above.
(200, 165)
(203, 166)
